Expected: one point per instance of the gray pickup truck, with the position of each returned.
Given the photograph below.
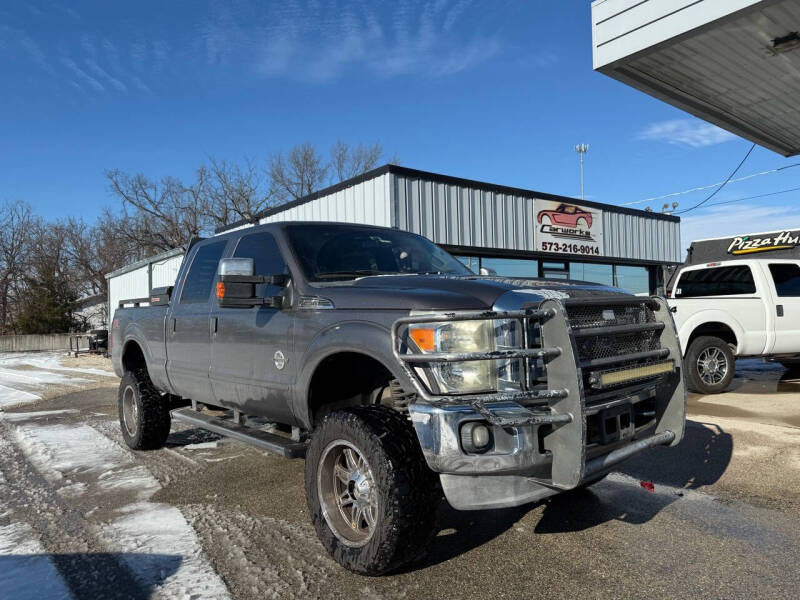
(399, 374)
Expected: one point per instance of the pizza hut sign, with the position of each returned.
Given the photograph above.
(565, 228)
(752, 244)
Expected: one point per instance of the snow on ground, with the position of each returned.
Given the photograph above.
(13, 397)
(51, 361)
(29, 416)
(26, 377)
(150, 528)
(66, 452)
(26, 571)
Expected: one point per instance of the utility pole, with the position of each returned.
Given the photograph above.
(582, 149)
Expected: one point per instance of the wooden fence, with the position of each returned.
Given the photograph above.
(32, 343)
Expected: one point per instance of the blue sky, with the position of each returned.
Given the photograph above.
(497, 91)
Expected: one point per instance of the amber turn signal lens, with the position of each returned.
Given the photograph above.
(424, 338)
(220, 290)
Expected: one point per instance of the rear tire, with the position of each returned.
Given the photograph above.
(710, 365)
(372, 498)
(143, 412)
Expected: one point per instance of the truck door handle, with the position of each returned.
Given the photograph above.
(174, 324)
(213, 325)
(673, 309)
(779, 309)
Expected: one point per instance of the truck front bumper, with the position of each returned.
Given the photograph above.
(561, 438)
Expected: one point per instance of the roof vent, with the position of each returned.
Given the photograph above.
(788, 42)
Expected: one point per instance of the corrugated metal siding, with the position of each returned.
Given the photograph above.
(365, 202)
(136, 283)
(639, 238)
(459, 216)
(133, 284)
(165, 272)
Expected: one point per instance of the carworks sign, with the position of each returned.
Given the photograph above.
(566, 228)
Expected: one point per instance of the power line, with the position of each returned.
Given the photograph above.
(711, 185)
(716, 191)
(794, 189)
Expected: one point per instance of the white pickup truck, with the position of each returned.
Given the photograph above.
(732, 309)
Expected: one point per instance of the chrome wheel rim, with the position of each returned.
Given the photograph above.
(347, 493)
(130, 410)
(712, 366)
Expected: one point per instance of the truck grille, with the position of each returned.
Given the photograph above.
(613, 334)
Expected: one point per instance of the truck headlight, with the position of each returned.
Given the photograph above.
(460, 377)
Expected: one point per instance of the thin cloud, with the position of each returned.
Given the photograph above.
(733, 220)
(82, 75)
(317, 43)
(686, 132)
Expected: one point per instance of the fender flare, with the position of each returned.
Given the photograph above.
(134, 334)
(361, 337)
(710, 316)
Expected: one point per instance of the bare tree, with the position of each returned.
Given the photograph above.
(17, 224)
(160, 215)
(298, 173)
(235, 192)
(348, 161)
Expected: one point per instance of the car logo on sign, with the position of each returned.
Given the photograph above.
(280, 360)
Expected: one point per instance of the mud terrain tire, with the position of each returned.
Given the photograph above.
(407, 492)
(143, 413)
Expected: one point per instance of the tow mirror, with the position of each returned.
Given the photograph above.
(236, 287)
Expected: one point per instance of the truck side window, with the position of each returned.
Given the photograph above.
(719, 281)
(787, 279)
(267, 259)
(202, 272)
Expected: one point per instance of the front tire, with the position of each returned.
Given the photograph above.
(710, 365)
(372, 498)
(143, 412)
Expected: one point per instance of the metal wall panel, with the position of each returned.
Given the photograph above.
(639, 238)
(456, 215)
(133, 284)
(462, 216)
(365, 202)
(165, 272)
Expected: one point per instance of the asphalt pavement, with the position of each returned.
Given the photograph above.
(723, 520)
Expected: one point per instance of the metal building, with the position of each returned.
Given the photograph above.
(734, 63)
(137, 279)
(513, 231)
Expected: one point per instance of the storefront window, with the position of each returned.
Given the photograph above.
(512, 267)
(592, 272)
(635, 280)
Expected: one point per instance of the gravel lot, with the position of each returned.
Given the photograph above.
(82, 516)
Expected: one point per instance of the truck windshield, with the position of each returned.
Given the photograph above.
(336, 252)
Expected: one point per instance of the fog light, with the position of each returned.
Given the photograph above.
(475, 437)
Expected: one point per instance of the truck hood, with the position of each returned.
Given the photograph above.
(449, 292)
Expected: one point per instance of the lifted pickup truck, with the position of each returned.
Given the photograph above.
(399, 374)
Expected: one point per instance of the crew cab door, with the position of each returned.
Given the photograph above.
(252, 362)
(188, 338)
(784, 280)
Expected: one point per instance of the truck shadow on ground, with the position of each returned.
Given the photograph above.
(87, 575)
(699, 460)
